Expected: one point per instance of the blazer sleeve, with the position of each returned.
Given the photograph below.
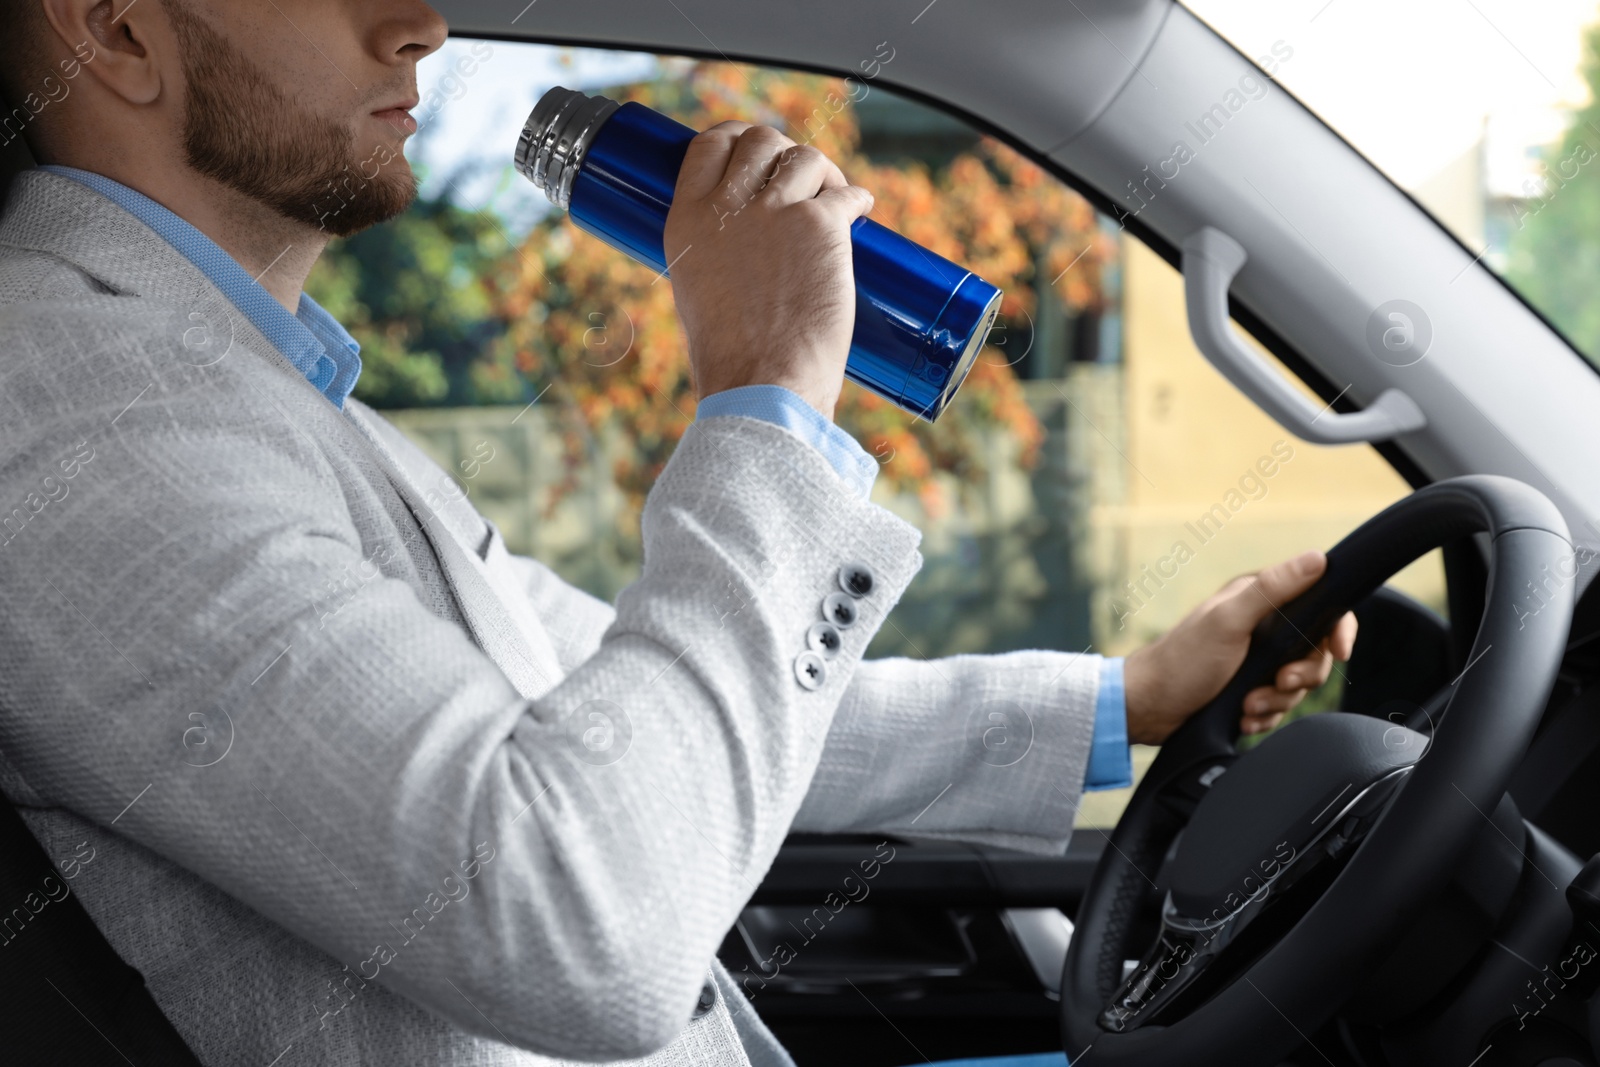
(381, 765)
(988, 749)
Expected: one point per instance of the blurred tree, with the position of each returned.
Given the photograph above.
(1553, 253)
(419, 293)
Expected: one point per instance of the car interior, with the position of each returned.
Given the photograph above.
(1412, 879)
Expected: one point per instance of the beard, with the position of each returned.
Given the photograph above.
(243, 131)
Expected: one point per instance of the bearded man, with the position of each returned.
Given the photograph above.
(371, 830)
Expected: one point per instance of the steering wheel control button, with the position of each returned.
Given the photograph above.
(840, 609)
(810, 669)
(856, 579)
(823, 639)
(708, 999)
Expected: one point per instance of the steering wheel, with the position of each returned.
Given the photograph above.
(1302, 861)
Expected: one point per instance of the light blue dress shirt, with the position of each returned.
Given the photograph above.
(1110, 761)
(330, 358)
(1042, 1059)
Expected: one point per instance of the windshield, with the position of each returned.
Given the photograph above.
(1483, 110)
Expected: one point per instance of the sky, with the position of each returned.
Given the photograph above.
(473, 107)
(1411, 82)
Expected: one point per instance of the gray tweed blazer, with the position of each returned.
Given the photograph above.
(350, 783)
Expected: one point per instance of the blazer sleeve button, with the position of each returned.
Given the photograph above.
(857, 579)
(840, 609)
(823, 639)
(810, 670)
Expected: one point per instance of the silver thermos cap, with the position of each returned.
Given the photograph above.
(557, 136)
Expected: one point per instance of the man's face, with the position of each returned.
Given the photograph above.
(301, 105)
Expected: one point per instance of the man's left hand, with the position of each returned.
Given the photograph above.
(1168, 680)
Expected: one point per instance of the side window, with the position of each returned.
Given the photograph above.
(1093, 480)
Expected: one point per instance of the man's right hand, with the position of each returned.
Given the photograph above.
(758, 243)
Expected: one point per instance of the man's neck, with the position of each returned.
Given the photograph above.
(276, 251)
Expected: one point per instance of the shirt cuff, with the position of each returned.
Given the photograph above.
(784, 407)
(1110, 763)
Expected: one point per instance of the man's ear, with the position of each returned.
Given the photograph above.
(127, 46)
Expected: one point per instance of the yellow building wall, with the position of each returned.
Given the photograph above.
(1191, 441)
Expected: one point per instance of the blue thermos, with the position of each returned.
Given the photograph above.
(920, 319)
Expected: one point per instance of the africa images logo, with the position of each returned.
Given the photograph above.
(1399, 333)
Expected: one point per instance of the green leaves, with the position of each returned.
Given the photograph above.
(1554, 241)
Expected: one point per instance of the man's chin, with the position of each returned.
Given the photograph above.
(352, 202)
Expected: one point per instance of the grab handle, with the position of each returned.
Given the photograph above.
(1211, 260)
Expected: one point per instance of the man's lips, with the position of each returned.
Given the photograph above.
(399, 116)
